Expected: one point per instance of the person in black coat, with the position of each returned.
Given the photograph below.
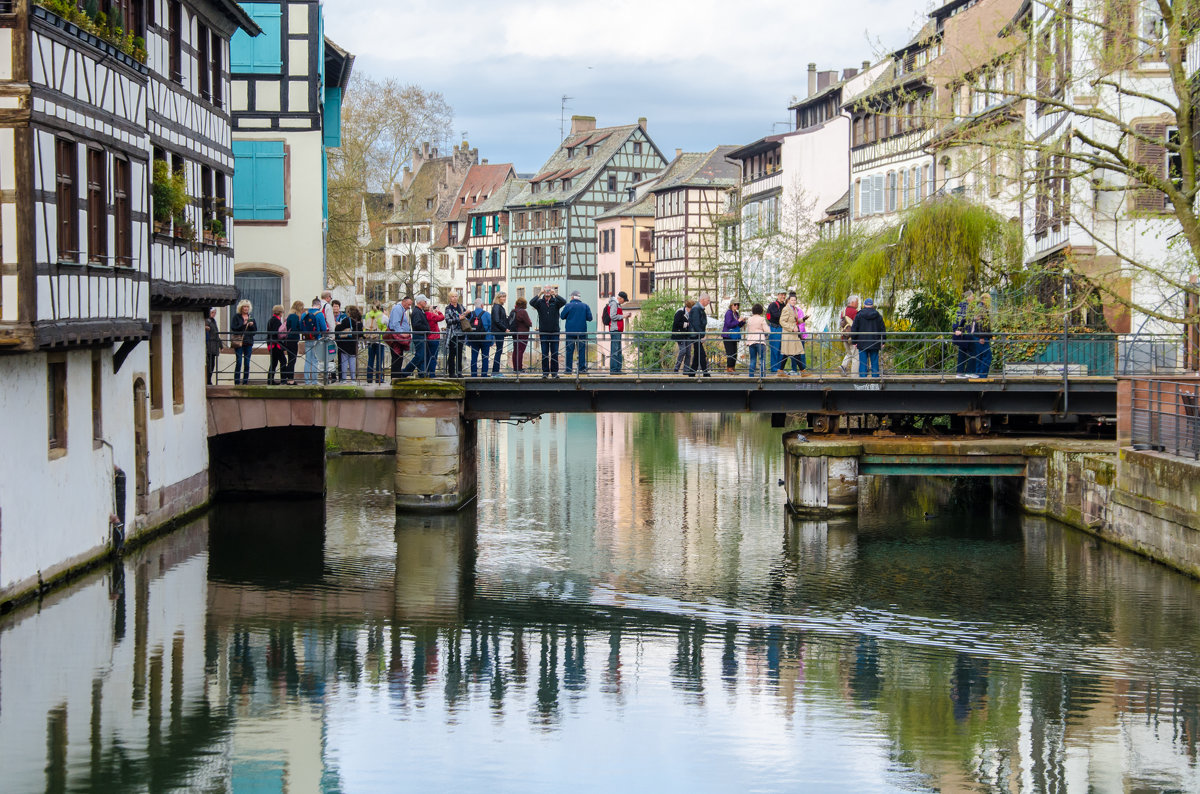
(212, 345)
(869, 334)
(499, 327)
(697, 324)
(548, 305)
(420, 335)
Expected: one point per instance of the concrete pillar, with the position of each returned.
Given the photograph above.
(1033, 492)
(435, 451)
(821, 477)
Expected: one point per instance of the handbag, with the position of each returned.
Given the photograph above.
(236, 343)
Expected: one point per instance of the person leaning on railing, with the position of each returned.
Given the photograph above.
(242, 327)
(291, 344)
(399, 334)
(374, 325)
(757, 333)
(869, 334)
(275, 342)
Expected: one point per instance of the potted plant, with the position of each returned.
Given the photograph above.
(215, 233)
(163, 192)
(184, 229)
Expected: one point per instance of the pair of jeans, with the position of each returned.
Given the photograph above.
(868, 358)
(312, 362)
(375, 362)
(983, 357)
(348, 365)
(479, 350)
(758, 359)
(576, 347)
(684, 356)
(498, 341)
(699, 356)
(241, 364)
(775, 342)
(966, 363)
(454, 356)
(616, 360)
(431, 353)
(417, 362)
(549, 342)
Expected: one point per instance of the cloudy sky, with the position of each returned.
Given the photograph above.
(703, 72)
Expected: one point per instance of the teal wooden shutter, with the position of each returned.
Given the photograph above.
(261, 54)
(259, 189)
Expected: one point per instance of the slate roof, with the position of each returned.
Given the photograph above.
(581, 168)
(841, 205)
(500, 197)
(638, 208)
(423, 187)
(481, 183)
(700, 169)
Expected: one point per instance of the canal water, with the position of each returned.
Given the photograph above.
(628, 606)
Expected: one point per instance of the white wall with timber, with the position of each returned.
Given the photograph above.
(10, 282)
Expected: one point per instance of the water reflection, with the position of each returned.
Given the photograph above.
(626, 605)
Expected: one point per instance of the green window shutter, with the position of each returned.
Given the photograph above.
(261, 54)
(259, 188)
(332, 123)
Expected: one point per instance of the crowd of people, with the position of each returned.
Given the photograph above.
(416, 334)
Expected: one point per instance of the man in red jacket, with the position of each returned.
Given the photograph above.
(614, 318)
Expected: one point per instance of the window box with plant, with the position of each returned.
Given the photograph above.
(106, 32)
(214, 232)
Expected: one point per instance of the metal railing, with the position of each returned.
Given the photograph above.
(377, 357)
(1165, 416)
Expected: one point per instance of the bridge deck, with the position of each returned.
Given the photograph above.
(509, 396)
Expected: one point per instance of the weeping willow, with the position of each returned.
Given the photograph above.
(950, 242)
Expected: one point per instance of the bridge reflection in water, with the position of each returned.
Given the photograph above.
(690, 634)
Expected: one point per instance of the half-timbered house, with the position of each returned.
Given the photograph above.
(690, 198)
(481, 184)
(101, 306)
(552, 239)
(286, 99)
(625, 250)
(486, 242)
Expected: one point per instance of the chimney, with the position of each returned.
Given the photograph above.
(848, 73)
(484, 161)
(866, 66)
(812, 79)
(678, 153)
(825, 79)
(642, 123)
(582, 124)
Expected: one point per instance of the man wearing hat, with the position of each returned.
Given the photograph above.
(576, 315)
(869, 333)
(420, 336)
(614, 319)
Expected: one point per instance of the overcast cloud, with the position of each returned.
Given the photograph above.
(703, 72)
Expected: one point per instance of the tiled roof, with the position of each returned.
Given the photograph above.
(496, 201)
(423, 187)
(607, 141)
(638, 208)
(704, 169)
(481, 182)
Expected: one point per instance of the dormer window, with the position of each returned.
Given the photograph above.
(591, 150)
(566, 184)
(428, 203)
(570, 152)
(533, 187)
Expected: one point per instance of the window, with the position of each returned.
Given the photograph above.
(203, 69)
(156, 382)
(97, 207)
(263, 289)
(646, 283)
(122, 213)
(177, 358)
(646, 239)
(261, 54)
(478, 259)
(259, 187)
(56, 404)
(216, 83)
(1152, 155)
(891, 192)
(126, 14)
(97, 397)
(207, 208)
(65, 164)
(175, 23)
(495, 259)
(566, 184)
(637, 147)
(612, 183)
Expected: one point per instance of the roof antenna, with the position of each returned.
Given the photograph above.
(562, 117)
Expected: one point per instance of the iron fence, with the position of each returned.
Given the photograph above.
(1165, 416)
(367, 357)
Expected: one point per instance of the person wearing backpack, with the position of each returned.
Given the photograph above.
(312, 331)
(846, 319)
(349, 330)
(399, 334)
(276, 336)
(479, 337)
(613, 318)
(419, 325)
(291, 342)
(433, 341)
(374, 324)
(681, 337)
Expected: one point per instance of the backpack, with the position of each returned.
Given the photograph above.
(476, 319)
(606, 317)
(281, 333)
(308, 325)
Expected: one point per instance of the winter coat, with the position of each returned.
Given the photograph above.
(453, 313)
(697, 321)
(434, 317)
(418, 323)
(348, 331)
(616, 316)
(791, 344)
(773, 310)
(679, 325)
(577, 315)
(547, 311)
(273, 340)
(293, 326)
(757, 330)
(245, 326)
(212, 336)
(520, 322)
(499, 320)
(868, 330)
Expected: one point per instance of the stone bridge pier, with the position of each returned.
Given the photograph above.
(270, 440)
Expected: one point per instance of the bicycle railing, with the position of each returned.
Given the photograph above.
(1165, 416)
(939, 356)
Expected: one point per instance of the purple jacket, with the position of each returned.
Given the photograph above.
(732, 323)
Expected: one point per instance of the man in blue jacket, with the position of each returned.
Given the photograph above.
(576, 315)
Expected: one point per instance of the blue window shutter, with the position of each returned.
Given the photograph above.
(496, 223)
(333, 117)
(258, 181)
(261, 54)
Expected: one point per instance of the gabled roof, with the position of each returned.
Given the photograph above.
(580, 168)
(499, 198)
(638, 208)
(759, 146)
(700, 169)
(338, 65)
(481, 182)
(423, 187)
(239, 16)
